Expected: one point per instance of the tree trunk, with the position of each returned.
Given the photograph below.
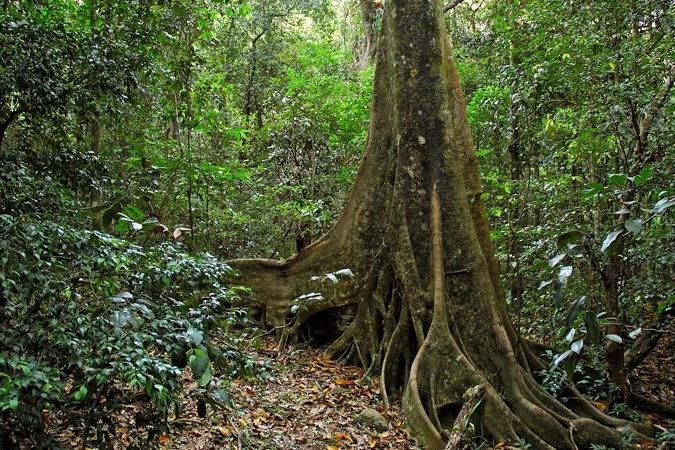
(430, 313)
(6, 123)
(370, 37)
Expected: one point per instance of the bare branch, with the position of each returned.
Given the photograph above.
(647, 122)
(656, 105)
(452, 5)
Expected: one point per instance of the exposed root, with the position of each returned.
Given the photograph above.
(430, 314)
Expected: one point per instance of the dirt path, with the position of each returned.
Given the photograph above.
(307, 402)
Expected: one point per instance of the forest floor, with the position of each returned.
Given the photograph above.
(305, 402)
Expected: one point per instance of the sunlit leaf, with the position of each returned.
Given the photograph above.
(577, 346)
(609, 240)
(564, 274)
(570, 335)
(345, 273)
(614, 338)
(544, 283)
(561, 358)
(556, 259)
(663, 204)
(332, 278)
(617, 179)
(195, 336)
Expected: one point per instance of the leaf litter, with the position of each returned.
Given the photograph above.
(305, 401)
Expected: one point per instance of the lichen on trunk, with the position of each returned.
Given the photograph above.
(430, 315)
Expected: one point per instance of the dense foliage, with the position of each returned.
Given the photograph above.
(143, 142)
(571, 105)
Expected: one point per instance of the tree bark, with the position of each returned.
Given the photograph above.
(369, 10)
(6, 123)
(430, 311)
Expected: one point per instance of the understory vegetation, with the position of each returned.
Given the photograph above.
(145, 144)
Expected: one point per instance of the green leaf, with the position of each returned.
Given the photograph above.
(195, 336)
(568, 237)
(592, 327)
(617, 179)
(644, 176)
(205, 378)
(609, 240)
(147, 312)
(120, 318)
(593, 190)
(665, 305)
(574, 310)
(199, 363)
(633, 225)
(221, 396)
(81, 393)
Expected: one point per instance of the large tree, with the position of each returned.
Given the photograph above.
(430, 314)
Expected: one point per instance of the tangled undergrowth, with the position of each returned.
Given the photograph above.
(93, 322)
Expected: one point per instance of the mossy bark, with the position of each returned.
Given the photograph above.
(430, 313)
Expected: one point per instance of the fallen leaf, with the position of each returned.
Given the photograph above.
(164, 439)
(344, 382)
(342, 436)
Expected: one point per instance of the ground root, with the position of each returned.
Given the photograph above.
(504, 416)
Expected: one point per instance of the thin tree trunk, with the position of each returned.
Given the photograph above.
(6, 123)
(369, 9)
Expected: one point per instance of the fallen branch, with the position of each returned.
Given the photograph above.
(472, 398)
